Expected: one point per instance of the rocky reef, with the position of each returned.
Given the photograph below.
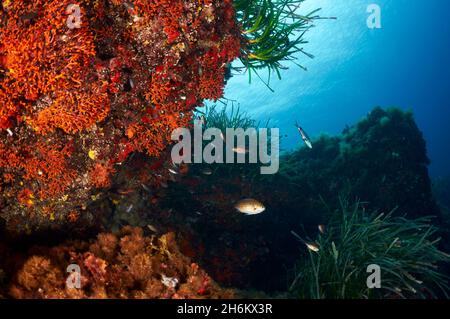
(89, 96)
(382, 160)
(75, 102)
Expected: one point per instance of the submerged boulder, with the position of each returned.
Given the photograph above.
(381, 161)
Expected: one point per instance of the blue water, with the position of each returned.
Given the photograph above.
(406, 64)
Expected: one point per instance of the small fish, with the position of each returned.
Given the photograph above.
(202, 120)
(125, 191)
(240, 150)
(304, 136)
(397, 243)
(129, 208)
(207, 171)
(129, 6)
(321, 228)
(250, 206)
(172, 171)
(131, 83)
(163, 184)
(169, 282)
(313, 247)
(152, 228)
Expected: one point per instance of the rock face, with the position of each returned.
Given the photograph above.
(382, 160)
(82, 88)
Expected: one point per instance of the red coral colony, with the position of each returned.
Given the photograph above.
(76, 101)
(85, 85)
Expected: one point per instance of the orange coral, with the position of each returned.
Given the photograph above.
(99, 176)
(52, 58)
(43, 163)
(74, 112)
(118, 87)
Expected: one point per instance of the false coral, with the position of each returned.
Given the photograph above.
(119, 82)
(44, 58)
(100, 175)
(45, 164)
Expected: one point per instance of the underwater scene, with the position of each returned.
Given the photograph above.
(224, 149)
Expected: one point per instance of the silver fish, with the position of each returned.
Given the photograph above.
(207, 171)
(312, 246)
(304, 136)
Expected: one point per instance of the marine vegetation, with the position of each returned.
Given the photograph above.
(228, 116)
(274, 32)
(406, 250)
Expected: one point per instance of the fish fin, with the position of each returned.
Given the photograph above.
(297, 236)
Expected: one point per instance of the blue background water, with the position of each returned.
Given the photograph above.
(404, 64)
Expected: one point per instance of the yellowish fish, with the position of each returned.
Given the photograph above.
(312, 246)
(321, 229)
(250, 206)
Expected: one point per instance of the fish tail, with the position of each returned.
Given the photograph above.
(297, 236)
